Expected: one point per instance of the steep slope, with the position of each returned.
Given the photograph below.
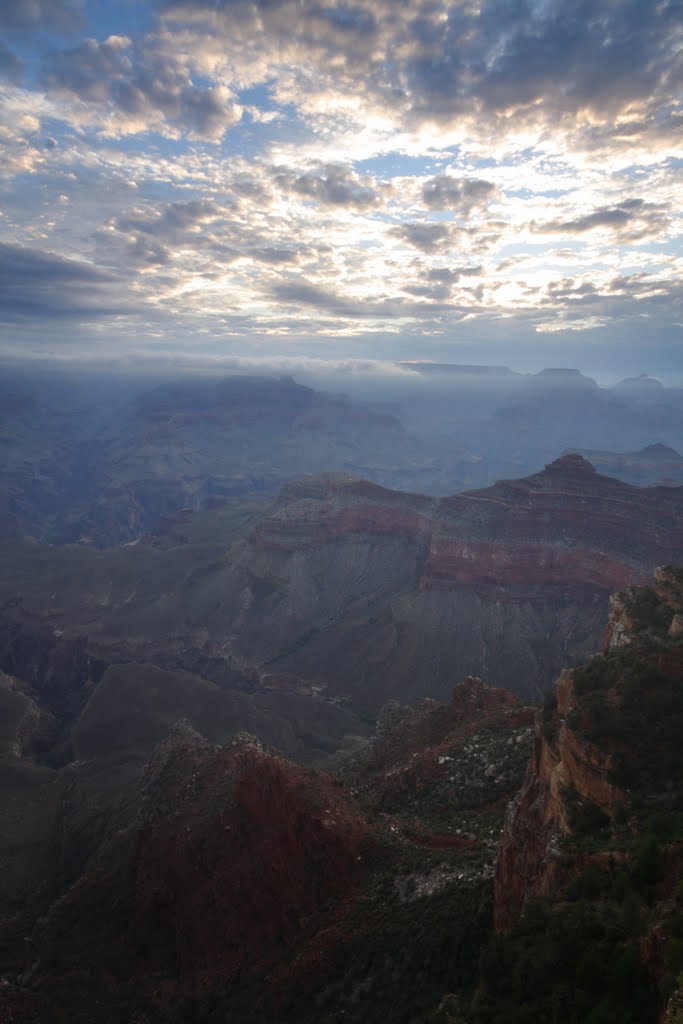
(355, 592)
(450, 766)
(231, 852)
(30, 802)
(394, 594)
(591, 853)
(240, 884)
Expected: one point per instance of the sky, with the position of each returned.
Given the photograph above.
(207, 181)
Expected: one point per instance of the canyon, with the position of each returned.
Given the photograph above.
(416, 880)
(346, 594)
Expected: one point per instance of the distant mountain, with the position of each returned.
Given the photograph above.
(654, 464)
(87, 463)
(67, 476)
(573, 414)
(558, 378)
(642, 388)
(186, 444)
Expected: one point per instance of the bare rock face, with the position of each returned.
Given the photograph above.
(566, 524)
(397, 594)
(351, 591)
(465, 756)
(20, 717)
(233, 849)
(565, 770)
(609, 734)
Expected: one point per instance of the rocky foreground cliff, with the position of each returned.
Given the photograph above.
(473, 863)
(592, 852)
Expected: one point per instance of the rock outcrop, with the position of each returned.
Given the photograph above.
(508, 583)
(232, 852)
(566, 771)
(565, 525)
(605, 734)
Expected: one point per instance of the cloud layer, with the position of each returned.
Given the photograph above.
(296, 172)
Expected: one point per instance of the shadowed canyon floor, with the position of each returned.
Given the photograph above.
(239, 883)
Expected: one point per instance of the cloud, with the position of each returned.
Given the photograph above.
(490, 62)
(449, 275)
(145, 90)
(37, 284)
(208, 234)
(551, 57)
(425, 236)
(461, 195)
(169, 222)
(150, 236)
(301, 292)
(632, 219)
(395, 161)
(23, 16)
(331, 185)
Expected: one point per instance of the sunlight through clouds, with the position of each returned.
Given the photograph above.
(299, 170)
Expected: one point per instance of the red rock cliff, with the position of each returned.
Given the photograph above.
(566, 525)
(575, 755)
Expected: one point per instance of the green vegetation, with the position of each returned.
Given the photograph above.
(607, 950)
(400, 955)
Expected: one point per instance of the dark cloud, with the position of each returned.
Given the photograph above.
(437, 292)
(621, 299)
(462, 195)
(449, 275)
(275, 256)
(632, 219)
(148, 89)
(325, 27)
(301, 292)
(215, 234)
(36, 284)
(248, 187)
(426, 236)
(562, 56)
(331, 185)
(11, 66)
(150, 235)
(169, 222)
(440, 59)
(568, 288)
(20, 16)
(353, 20)
(437, 283)
(444, 57)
